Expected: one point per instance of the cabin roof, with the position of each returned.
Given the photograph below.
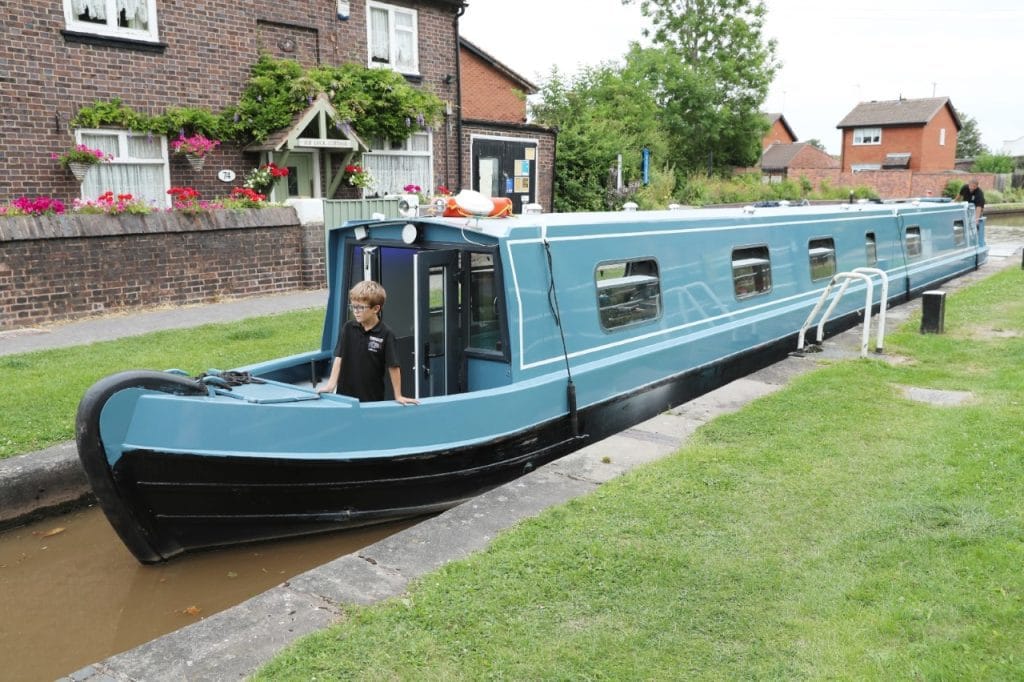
(532, 226)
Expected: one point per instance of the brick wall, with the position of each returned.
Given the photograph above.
(63, 267)
(892, 184)
(203, 60)
(488, 94)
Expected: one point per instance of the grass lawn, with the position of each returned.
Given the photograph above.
(833, 530)
(40, 391)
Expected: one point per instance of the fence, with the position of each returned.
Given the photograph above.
(339, 211)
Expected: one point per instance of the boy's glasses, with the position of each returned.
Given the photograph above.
(358, 308)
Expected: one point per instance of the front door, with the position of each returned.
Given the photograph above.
(506, 168)
(299, 183)
(436, 323)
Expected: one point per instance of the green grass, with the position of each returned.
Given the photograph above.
(833, 530)
(40, 391)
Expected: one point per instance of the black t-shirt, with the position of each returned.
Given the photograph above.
(977, 197)
(365, 359)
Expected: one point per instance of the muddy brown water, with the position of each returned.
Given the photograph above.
(71, 594)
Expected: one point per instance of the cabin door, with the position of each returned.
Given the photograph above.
(437, 323)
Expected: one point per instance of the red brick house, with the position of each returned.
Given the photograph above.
(918, 135)
(789, 161)
(504, 155)
(778, 133)
(61, 55)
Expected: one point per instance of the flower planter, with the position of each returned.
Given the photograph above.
(195, 161)
(79, 170)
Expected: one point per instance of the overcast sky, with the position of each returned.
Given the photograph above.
(833, 54)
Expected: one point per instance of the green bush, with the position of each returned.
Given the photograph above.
(659, 193)
(992, 163)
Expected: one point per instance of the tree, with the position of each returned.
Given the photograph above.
(968, 141)
(818, 144)
(604, 111)
(715, 70)
(992, 163)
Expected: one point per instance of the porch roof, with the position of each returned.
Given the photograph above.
(322, 113)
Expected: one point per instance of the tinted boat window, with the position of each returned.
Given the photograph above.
(822, 255)
(628, 292)
(751, 271)
(959, 238)
(913, 242)
(484, 330)
(871, 249)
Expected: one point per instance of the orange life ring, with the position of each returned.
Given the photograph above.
(502, 206)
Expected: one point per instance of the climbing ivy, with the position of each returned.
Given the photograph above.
(374, 102)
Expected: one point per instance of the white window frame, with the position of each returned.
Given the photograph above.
(867, 136)
(942, 137)
(122, 157)
(392, 62)
(111, 29)
(405, 149)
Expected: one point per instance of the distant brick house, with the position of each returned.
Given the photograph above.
(504, 155)
(789, 161)
(918, 135)
(778, 133)
(58, 56)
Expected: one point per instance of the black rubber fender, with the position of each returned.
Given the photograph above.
(134, 532)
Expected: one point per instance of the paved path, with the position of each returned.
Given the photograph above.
(118, 326)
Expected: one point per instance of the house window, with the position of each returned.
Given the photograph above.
(391, 35)
(867, 136)
(132, 19)
(942, 137)
(394, 165)
(959, 236)
(822, 255)
(870, 249)
(913, 242)
(628, 292)
(139, 166)
(751, 271)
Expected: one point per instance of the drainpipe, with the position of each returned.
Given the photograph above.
(554, 169)
(458, 96)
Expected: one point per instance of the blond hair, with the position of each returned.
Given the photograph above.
(369, 292)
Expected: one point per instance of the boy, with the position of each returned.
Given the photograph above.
(367, 346)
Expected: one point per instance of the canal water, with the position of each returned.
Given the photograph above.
(1006, 219)
(71, 594)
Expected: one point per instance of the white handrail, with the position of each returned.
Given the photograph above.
(882, 303)
(863, 274)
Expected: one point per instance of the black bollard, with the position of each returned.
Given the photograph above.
(933, 312)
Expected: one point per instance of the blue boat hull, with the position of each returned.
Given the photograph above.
(163, 504)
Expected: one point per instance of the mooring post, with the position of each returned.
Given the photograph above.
(933, 312)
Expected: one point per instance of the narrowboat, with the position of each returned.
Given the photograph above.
(523, 338)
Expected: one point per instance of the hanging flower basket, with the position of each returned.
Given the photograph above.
(79, 170)
(195, 161)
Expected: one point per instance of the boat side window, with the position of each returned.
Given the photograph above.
(959, 237)
(913, 242)
(628, 292)
(751, 271)
(871, 249)
(822, 256)
(484, 326)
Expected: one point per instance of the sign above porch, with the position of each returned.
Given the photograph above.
(316, 127)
